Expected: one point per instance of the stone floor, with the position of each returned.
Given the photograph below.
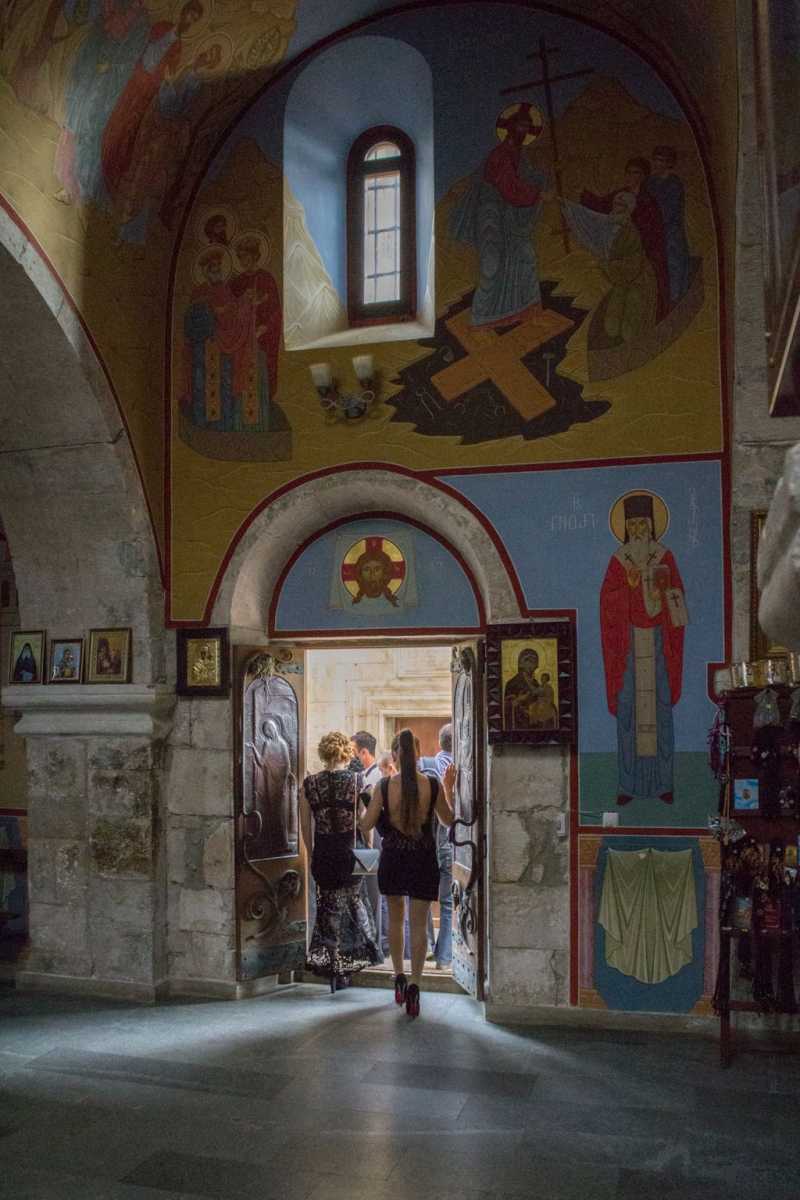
(302, 1094)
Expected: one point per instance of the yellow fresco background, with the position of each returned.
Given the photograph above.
(671, 405)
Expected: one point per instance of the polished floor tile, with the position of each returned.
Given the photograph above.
(305, 1096)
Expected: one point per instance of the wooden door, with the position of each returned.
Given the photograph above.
(426, 729)
(271, 869)
(468, 834)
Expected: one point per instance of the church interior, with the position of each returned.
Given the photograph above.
(430, 364)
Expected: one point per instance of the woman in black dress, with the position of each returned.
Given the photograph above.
(343, 939)
(403, 807)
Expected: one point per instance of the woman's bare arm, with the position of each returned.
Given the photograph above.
(305, 822)
(369, 819)
(445, 800)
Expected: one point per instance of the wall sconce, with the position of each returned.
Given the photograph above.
(349, 405)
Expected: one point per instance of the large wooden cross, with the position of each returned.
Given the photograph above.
(546, 81)
(498, 358)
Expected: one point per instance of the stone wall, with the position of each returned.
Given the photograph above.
(96, 855)
(528, 870)
(759, 441)
(200, 847)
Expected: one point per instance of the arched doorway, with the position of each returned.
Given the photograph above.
(267, 576)
(84, 558)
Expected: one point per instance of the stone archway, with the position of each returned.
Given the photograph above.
(84, 557)
(253, 572)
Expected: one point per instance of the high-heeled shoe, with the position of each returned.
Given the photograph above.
(412, 1000)
(400, 985)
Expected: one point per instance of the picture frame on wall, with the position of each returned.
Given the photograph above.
(26, 656)
(761, 646)
(530, 682)
(203, 662)
(65, 660)
(108, 659)
(777, 76)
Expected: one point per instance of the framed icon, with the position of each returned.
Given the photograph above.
(203, 662)
(26, 656)
(109, 656)
(530, 682)
(66, 660)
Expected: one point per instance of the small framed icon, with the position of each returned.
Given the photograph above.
(26, 656)
(66, 660)
(109, 656)
(203, 666)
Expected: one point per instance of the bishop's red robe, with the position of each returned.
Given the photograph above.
(622, 606)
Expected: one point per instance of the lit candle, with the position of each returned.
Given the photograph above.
(362, 365)
(322, 375)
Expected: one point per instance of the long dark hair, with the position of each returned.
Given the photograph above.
(406, 746)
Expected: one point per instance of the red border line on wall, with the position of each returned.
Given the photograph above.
(375, 516)
(7, 207)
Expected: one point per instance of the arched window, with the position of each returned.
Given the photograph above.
(381, 227)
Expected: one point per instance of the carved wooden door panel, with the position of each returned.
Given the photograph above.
(270, 864)
(468, 835)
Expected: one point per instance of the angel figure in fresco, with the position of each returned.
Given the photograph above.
(498, 215)
(275, 791)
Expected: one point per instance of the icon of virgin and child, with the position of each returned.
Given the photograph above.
(529, 696)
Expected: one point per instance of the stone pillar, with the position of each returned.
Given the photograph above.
(200, 840)
(96, 848)
(528, 880)
(779, 559)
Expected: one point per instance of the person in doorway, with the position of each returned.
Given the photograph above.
(443, 946)
(364, 746)
(343, 939)
(386, 764)
(404, 807)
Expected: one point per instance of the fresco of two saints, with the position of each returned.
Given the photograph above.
(232, 333)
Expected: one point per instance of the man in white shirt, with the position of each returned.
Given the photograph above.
(364, 746)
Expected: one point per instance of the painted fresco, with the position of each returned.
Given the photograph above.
(109, 108)
(647, 923)
(639, 553)
(376, 574)
(575, 273)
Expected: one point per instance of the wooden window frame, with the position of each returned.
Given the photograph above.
(358, 170)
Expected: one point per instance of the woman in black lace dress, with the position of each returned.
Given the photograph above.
(343, 939)
(402, 808)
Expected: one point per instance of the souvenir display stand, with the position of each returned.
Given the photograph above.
(759, 769)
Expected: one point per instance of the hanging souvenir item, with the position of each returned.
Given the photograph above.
(719, 743)
(765, 752)
(766, 709)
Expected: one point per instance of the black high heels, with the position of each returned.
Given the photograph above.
(412, 1000)
(400, 985)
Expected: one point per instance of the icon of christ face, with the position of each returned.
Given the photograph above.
(373, 572)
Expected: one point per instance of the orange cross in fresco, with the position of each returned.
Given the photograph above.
(498, 358)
